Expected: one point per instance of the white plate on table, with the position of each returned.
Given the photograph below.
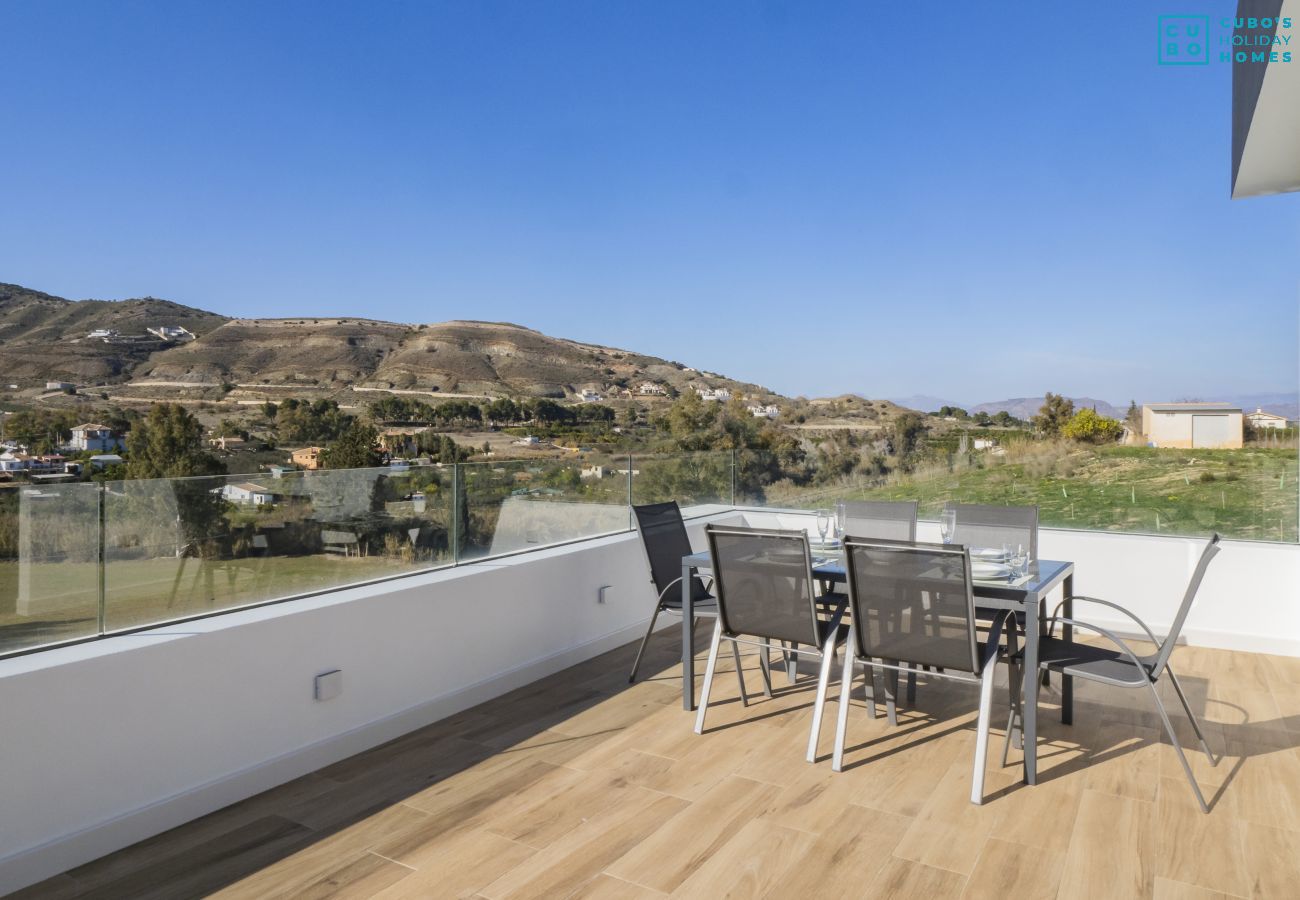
(988, 554)
(989, 570)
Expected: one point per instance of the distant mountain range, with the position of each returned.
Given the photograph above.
(47, 338)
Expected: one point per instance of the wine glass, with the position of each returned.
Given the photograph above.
(841, 519)
(823, 523)
(947, 524)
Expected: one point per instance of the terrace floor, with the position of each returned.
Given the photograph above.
(583, 786)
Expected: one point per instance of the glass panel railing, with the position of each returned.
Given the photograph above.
(1247, 494)
(49, 564)
(190, 546)
(513, 505)
(700, 482)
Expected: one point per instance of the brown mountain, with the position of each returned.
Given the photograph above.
(45, 338)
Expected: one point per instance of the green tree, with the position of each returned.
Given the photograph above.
(1052, 416)
(1133, 418)
(356, 448)
(168, 443)
(1089, 426)
(503, 410)
(905, 435)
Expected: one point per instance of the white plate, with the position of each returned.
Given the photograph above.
(989, 570)
(988, 554)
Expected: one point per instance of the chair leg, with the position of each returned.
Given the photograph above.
(791, 663)
(740, 673)
(911, 685)
(891, 695)
(823, 683)
(765, 667)
(869, 694)
(982, 732)
(709, 669)
(1182, 757)
(1013, 715)
(842, 719)
(636, 663)
(1187, 708)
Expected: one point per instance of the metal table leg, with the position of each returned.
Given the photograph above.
(1067, 632)
(688, 641)
(1031, 682)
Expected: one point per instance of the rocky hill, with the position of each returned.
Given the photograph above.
(46, 338)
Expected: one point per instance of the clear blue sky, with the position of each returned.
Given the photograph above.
(957, 199)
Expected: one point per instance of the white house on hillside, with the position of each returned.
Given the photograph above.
(764, 412)
(590, 396)
(246, 493)
(95, 438)
(1261, 419)
(172, 333)
(720, 395)
(650, 389)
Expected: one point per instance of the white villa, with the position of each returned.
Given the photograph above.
(1261, 419)
(590, 396)
(246, 493)
(720, 395)
(92, 437)
(172, 333)
(652, 389)
(764, 412)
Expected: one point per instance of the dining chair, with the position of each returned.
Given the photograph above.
(765, 592)
(1120, 666)
(911, 604)
(893, 520)
(665, 542)
(979, 525)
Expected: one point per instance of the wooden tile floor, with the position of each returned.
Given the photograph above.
(583, 786)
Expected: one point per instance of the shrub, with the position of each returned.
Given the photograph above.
(1089, 426)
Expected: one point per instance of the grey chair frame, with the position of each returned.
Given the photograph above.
(1146, 670)
(983, 659)
(975, 513)
(879, 511)
(701, 610)
(823, 648)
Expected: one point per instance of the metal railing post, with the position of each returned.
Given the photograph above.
(102, 563)
(455, 514)
(734, 451)
(629, 492)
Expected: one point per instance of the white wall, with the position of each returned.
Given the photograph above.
(1250, 599)
(108, 742)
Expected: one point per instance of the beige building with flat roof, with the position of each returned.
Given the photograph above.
(1207, 426)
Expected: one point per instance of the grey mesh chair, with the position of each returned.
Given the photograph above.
(911, 604)
(766, 592)
(893, 520)
(979, 525)
(1121, 667)
(664, 539)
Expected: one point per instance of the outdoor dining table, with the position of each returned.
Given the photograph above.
(1027, 595)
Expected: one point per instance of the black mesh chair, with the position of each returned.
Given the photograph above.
(1119, 666)
(766, 592)
(892, 520)
(911, 604)
(664, 539)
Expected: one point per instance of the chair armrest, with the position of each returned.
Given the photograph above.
(1106, 603)
(667, 586)
(1109, 635)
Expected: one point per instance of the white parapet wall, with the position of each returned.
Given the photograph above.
(108, 742)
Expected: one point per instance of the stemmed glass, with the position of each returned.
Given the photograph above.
(841, 519)
(823, 523)
(947, 524)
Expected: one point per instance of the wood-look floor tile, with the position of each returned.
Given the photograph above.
(1112, 849)
(587, 850)
(949, 832)
(1195, 847)
(751, 864)
(1007, 869)
(1167, 889)
(667, 858)
(607, 887)
(1266, 789)
(1272, 860)
(457, 865)
(843, 859)
(905, 879)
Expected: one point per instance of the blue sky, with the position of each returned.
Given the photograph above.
(962, 200)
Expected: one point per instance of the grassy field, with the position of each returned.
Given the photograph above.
(1249, 494)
